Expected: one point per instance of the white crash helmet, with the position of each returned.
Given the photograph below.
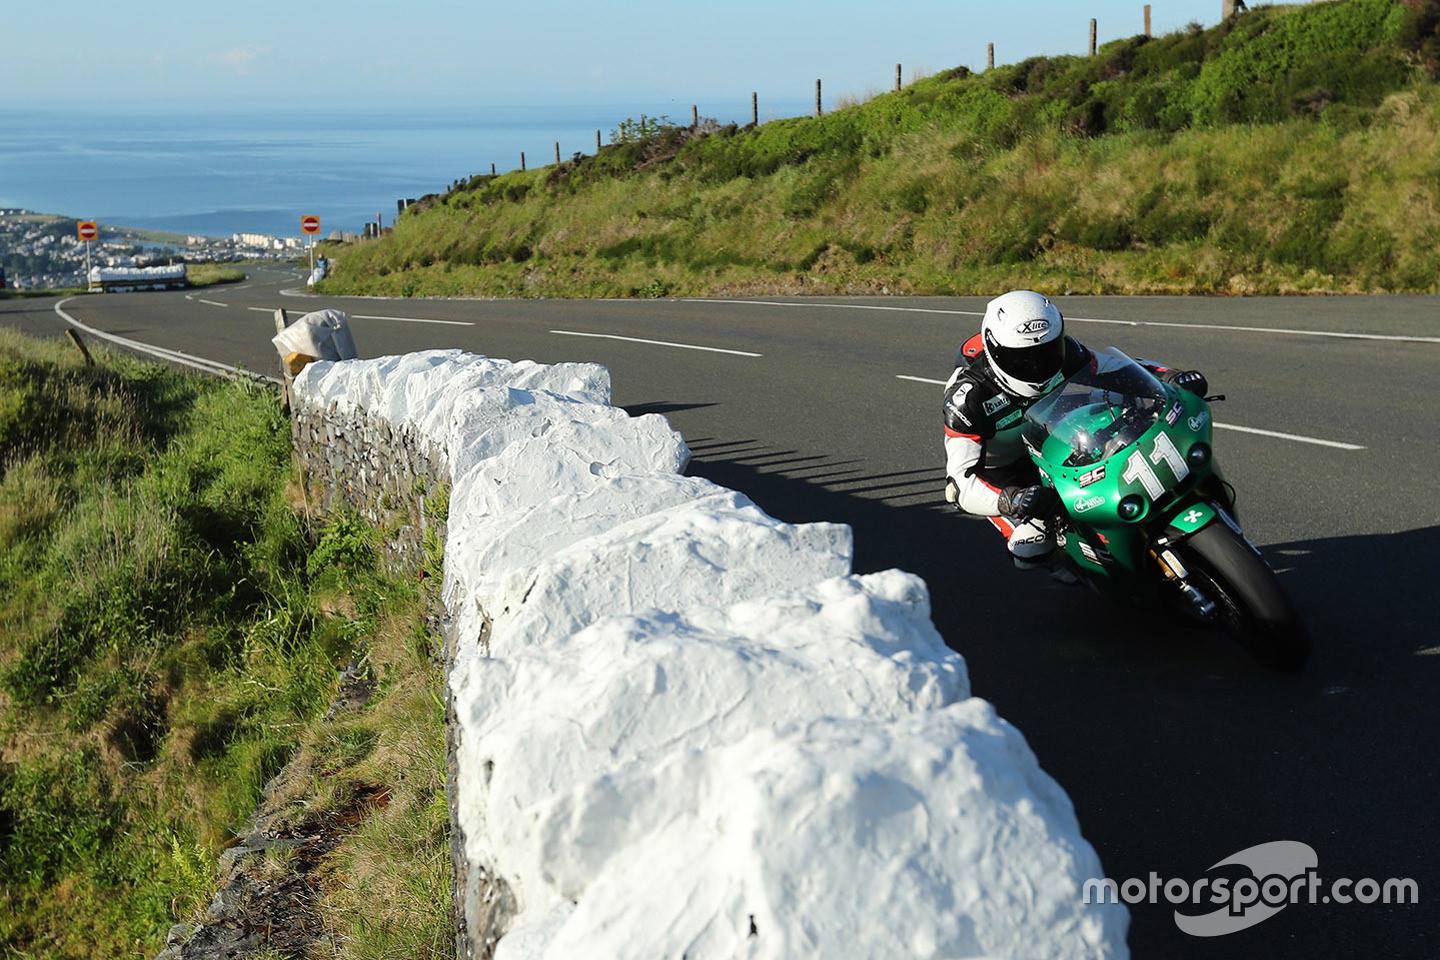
(1024, 337)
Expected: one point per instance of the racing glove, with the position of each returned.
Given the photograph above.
(1191, 380)
(1027, 503)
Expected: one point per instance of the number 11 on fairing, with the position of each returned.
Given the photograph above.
(1136, 468)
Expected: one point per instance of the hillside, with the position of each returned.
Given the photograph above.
(1290, 149)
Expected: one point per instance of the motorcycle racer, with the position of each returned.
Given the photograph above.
(1019, 356)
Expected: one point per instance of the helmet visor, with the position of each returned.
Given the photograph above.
(1033, 364)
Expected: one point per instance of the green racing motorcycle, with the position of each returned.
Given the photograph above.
(1145, 515)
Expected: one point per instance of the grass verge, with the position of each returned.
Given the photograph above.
(171, 628)
(210, 274)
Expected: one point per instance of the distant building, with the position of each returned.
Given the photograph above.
(263, 240)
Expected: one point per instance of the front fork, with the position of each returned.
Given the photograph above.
(1182, 521)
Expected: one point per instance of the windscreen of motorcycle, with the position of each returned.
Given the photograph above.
(1101, 410)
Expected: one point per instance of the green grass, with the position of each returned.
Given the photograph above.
(170, 634)
(1290, 149)
(209, 274)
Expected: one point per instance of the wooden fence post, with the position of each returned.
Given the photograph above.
(492, 169)
(1147, 21)
(818, 109)
(522, 161)
(694, 117)
(754, 109)
(1094, 29)
(557, 153)
(282, 320)
(897, 78)
(597, 141)
(80, 345)
(990, 56)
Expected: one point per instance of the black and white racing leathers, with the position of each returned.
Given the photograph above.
(983, 451)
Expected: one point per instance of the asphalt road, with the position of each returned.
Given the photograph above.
(1176, 750)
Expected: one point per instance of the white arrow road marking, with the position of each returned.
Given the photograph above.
(1298, 438)
(213, 303)
(656, 343)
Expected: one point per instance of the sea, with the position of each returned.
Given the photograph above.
(224, 171)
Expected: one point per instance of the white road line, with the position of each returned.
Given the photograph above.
(1341, 335)
(189, 296)
(214, 303)
(1298, 438)
(367, 316)
(164, 353)
(1290, 436)
(448, 323)
(1282, 330)
(838, 306)
(657, 343)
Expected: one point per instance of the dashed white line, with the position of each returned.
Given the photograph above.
(1290, 436)
(656, 343)
(448, 323)
(838, 306)
(164, 353)
(369, 316)
(213, 303)
(1336, 334)
(1298, 438)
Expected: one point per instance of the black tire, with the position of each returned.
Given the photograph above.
(1250, 603)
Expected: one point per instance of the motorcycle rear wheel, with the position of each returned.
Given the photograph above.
(1250, 603)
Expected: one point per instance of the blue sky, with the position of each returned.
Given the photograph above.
(159, 55)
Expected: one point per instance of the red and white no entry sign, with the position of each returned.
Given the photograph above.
(310, 223)
(87, 230)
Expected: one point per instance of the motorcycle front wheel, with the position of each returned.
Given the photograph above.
(1250, 603)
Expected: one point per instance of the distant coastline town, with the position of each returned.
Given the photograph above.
(42, 251)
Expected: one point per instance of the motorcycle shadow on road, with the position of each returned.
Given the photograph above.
(1177, 748)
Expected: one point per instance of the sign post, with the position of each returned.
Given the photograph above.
(310, 224)
(87, 230)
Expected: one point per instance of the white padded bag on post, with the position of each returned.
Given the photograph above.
(323, 334)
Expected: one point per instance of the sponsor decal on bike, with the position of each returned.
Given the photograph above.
(997, 402)
(1083, 504)
(1199, 420)
(1174, 413)
(1092, 476)
(1009, 418)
